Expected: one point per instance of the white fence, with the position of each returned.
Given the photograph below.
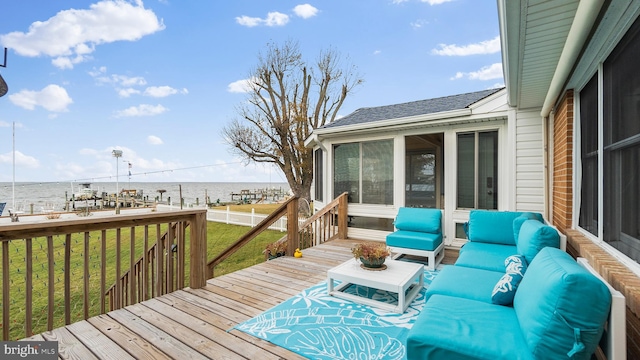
(240, 218)
(244, 218)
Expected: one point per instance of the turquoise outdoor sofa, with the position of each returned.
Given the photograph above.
(419, 233)
(557, 312)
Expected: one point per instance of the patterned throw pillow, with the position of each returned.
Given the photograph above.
(505, 289)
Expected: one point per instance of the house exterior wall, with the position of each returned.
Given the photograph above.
(521, 178)
(529, 162)
(578, 245)
(563, 162)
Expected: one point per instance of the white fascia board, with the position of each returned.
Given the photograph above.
(509, 15)
(492, 103)
(311, 140)
(398, 123)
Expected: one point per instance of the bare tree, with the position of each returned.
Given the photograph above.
(286, 101)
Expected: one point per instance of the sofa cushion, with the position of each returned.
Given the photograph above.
(534, 236)
(517, 222)
(419, 219)
(456, 328)
(494, 227)
(485, 256)
(561, 307)
(464, 282)
(414, 240)
(505, 289)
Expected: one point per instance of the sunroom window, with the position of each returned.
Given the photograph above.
(621, 147)
(616, 157)
(365, 171)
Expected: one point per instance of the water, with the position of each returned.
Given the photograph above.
(51, 195)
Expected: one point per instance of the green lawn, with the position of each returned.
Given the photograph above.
(219, 236)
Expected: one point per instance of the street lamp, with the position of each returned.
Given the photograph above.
(117, 154)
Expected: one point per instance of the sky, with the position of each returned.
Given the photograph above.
(159, 79)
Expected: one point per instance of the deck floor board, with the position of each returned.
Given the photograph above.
(198, 323)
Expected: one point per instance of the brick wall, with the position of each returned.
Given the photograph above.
(563, 162)
(612, 270)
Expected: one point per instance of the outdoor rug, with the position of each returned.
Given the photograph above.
(318, 326)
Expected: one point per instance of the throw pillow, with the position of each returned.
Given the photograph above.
(534, 236)
(517, 222)
(505, 289)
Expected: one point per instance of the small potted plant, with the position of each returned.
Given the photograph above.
(275, 249)
(371, 254)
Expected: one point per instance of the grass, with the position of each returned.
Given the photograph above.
(219, 237)
(259, 208)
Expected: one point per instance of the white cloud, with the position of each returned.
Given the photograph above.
(377, 52)
(305, 11)
(125, 85)
(430, 2)
(142, 110)
(21, 160)
(493, 71)
(52, 98)
(240, 86)
(276, 19)
(419, 23)
(125, 93)
(273, 19)
(8, 124)
(436, 2)
(162, 91)
(248, 21)
(484, 47)
(154, 140)
(70, 36)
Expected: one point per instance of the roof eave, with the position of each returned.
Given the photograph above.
(393, 123)
(511, 43)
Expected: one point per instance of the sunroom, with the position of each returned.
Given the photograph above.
(454, 153)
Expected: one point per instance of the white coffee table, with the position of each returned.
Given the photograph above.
(398, 277)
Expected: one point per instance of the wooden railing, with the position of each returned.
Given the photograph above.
(147, 266)
(326, 224)
(288, 208)
(87, 253)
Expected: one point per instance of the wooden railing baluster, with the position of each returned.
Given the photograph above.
(159, 263)
(67, 279)
(132, 299)
(85, 297)
(103, 268)
(29, 288)
(5, 290)
(145, 267)
(51, 285)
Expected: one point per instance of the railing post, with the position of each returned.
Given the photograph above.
(292, 227)
(342, 216)
(198, 252)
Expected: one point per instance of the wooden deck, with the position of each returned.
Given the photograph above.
(194, 324)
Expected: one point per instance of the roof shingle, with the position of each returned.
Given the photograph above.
(414, 108)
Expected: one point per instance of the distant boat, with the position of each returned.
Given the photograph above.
(85, 192)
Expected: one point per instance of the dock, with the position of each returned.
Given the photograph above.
(259, 195)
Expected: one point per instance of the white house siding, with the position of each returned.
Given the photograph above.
(529, 164)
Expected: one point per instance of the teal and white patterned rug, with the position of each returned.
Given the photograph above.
(318, 326)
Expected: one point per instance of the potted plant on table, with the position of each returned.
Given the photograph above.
(371, 254)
